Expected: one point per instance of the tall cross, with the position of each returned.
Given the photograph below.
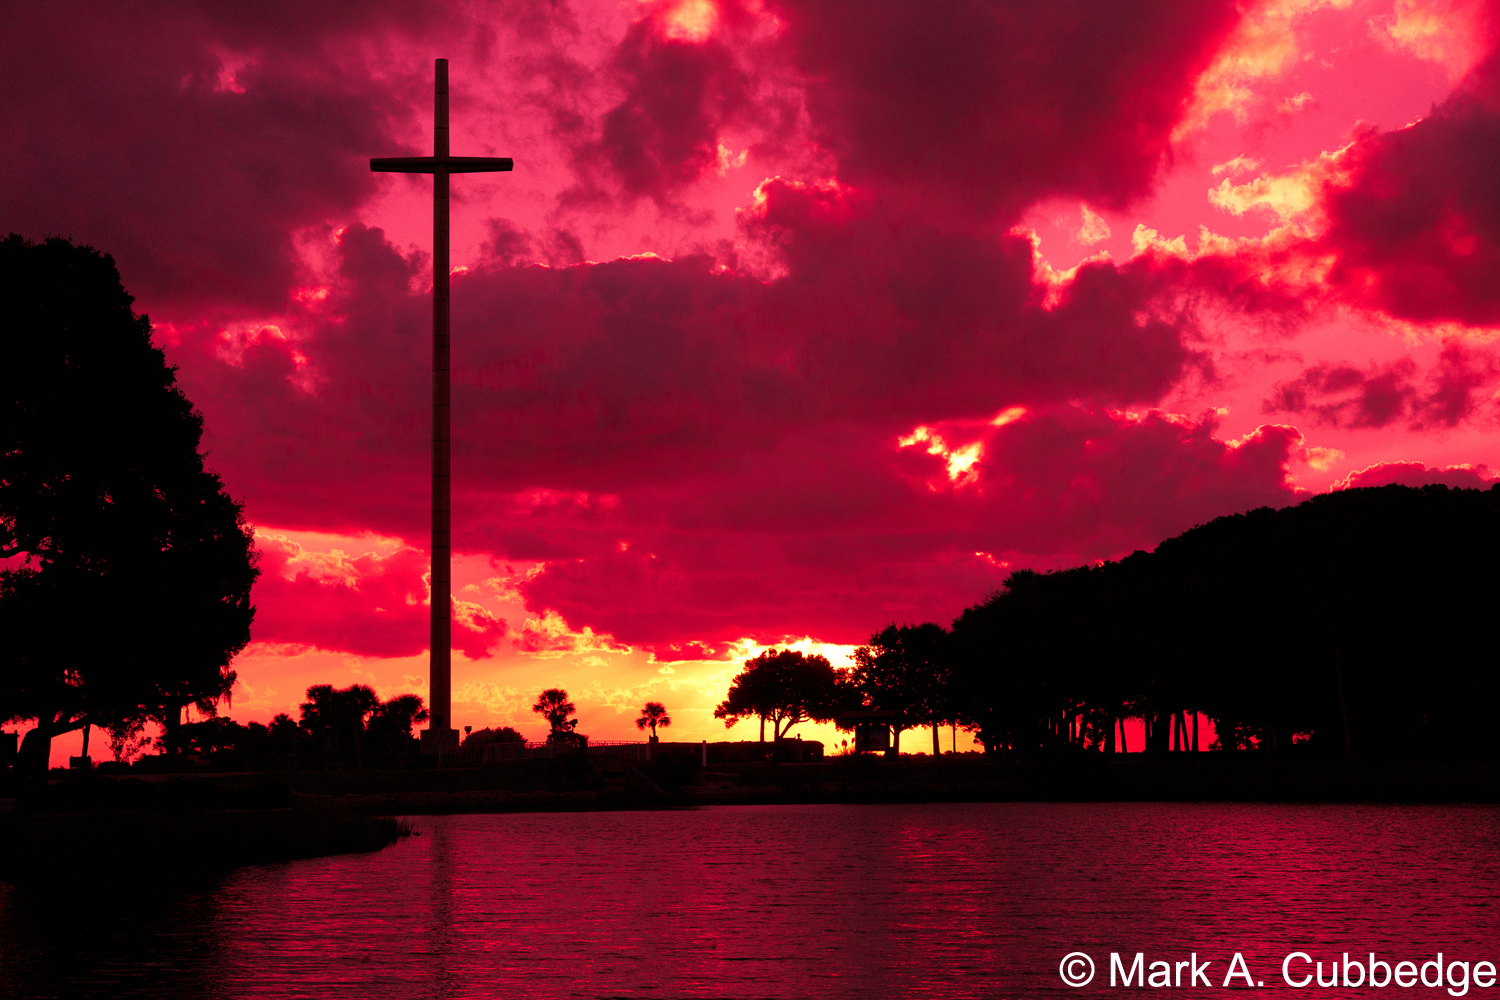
(440, 732)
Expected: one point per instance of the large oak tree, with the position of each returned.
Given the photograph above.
(786, 687)
(125, 585)
(905, 669)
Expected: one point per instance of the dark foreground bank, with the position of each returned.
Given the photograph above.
(86, 828)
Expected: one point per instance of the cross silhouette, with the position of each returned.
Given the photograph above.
(440, 732)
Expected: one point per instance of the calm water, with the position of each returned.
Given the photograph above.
(792, 901)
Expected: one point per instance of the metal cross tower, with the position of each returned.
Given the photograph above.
(440, 732)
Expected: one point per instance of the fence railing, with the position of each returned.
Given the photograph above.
(785, 751)
(487, 753)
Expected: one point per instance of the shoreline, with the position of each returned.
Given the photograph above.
(522, 788)
(88, 824)
(100, 829)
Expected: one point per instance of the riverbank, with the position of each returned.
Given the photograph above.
(84, 825)
(573, 786)
(96, 827)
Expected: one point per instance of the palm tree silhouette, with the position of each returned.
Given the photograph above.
(338, 716)
(554, 706)
(653, 714)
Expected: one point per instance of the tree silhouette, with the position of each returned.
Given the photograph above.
(785, 687)
(390, 724)
(127, 739)
(554, 706)
(336, 718)
(1347, 624)
(905, 669)
(352, 724)
(105, 498)
(653, 714)
(286, 739)
(504, 734)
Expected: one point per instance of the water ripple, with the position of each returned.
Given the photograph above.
(949, 900)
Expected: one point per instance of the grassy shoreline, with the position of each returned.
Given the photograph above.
(530, 787)
(82, 826)
(100, 827)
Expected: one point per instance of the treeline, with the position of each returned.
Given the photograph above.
(1355, 623)
(347, 727)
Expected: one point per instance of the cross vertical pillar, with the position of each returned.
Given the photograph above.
(440, 732)
(440, 680)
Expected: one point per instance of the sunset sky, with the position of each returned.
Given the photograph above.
(794, 318)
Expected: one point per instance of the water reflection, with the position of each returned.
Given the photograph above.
(134, 938)
(912, 901)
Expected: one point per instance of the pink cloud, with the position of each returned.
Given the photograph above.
(193, 143)
(599, 380)
(1384, 394)
(700, 455)
(682, 90)
(708, 447)
(844, 530)
(595, 377)
(372, 604)
(971, 115)
(1467, 477)
(976, 113)
(1416, 228)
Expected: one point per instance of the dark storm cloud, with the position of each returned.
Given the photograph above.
(194, 141)
(1382, 395)
(673, 436)
(1416, 229)
(699, 448)
(973, 110)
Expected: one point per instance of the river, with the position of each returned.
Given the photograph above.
(947, 900)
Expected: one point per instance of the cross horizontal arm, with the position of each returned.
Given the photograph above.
(450, 164)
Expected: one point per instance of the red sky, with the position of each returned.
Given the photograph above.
(794, 318)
